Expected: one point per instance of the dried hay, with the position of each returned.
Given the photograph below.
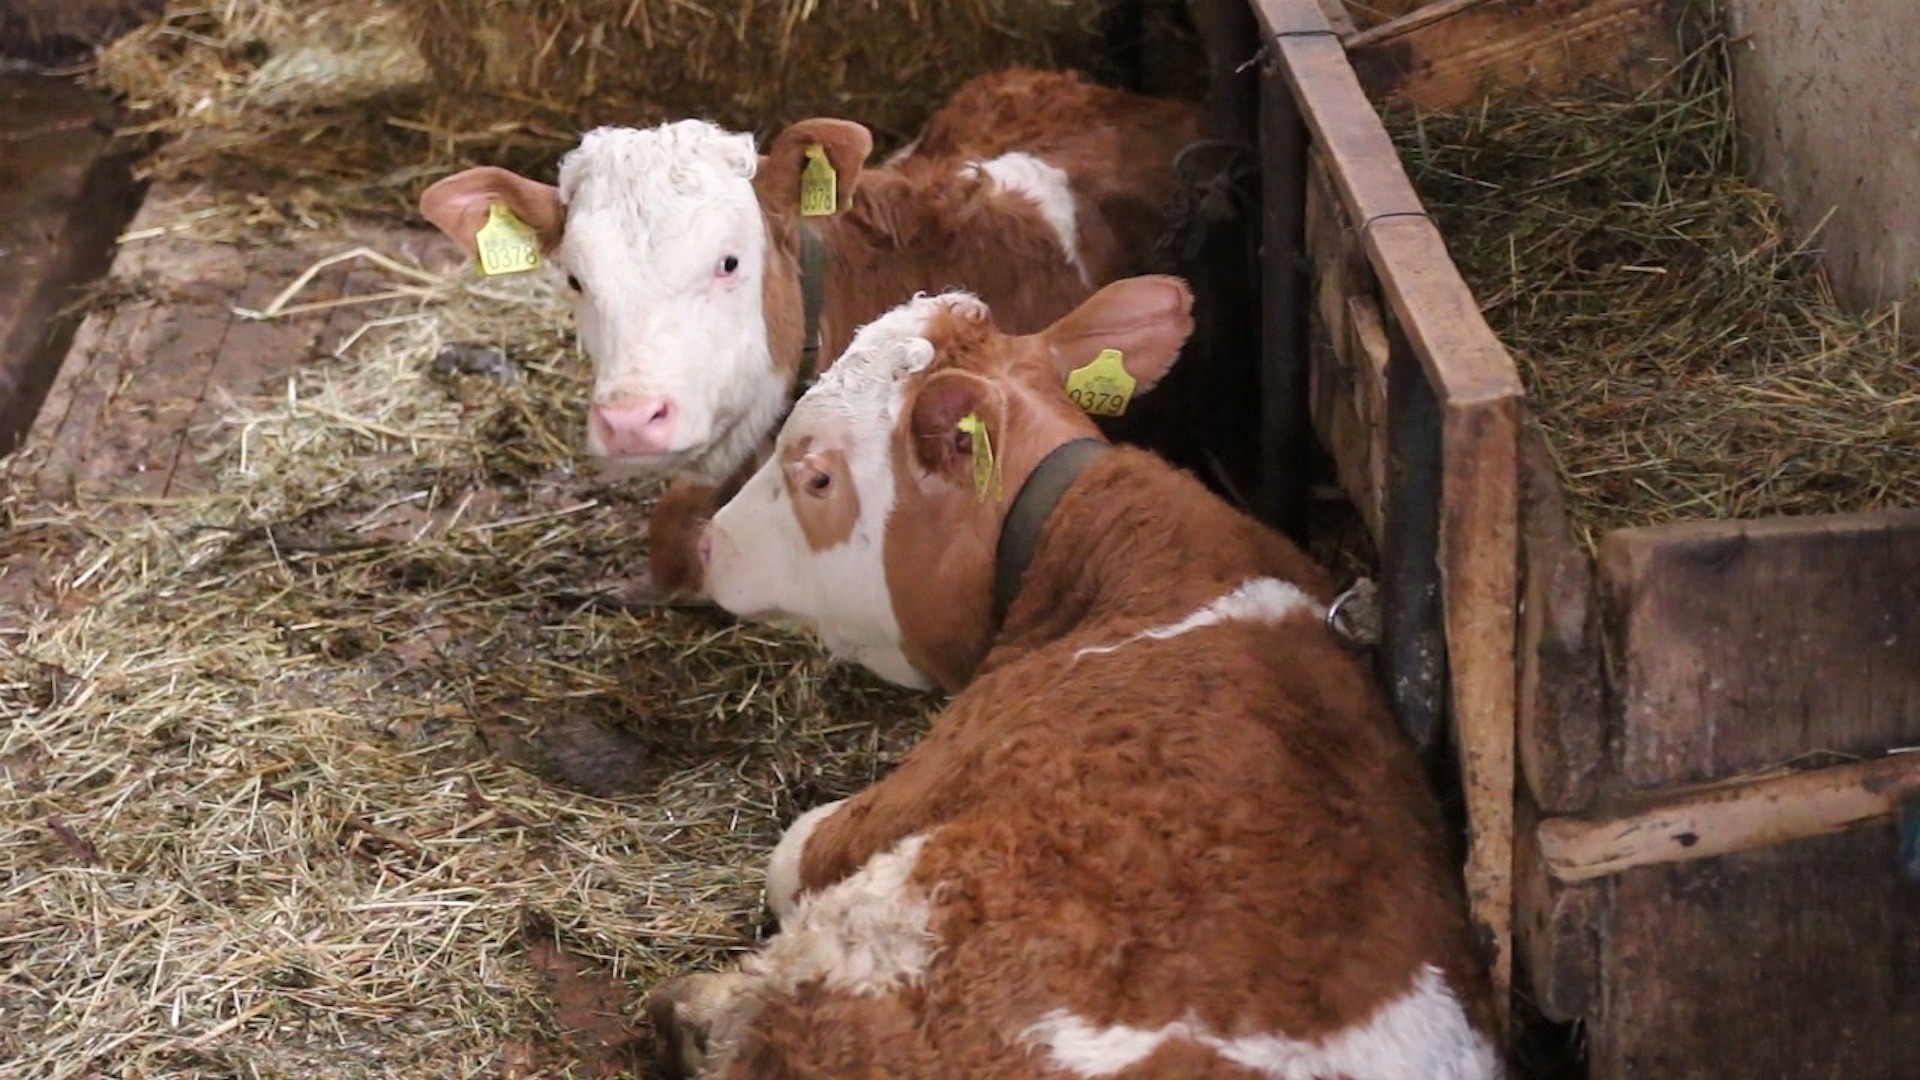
(254, 814)
(364, 99)
(1680, 345)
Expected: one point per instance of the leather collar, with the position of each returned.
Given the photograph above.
(1031, 508)
(813, 286)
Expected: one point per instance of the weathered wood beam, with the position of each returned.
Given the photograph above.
(1731, 816)
(1452, 54)
(1428, 306)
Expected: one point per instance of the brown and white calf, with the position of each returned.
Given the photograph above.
(686, 251)
(1165, 828)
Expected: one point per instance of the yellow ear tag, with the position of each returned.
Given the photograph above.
(1103, 387)
(986, 476)
(507, 244)
(819, 184)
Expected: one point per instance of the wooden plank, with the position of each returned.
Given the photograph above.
(1340, 267)
(151, 369)
(1479, 393)
(1367, 350)
(1413, 642)
(1338, 17)
(253, 358)
(137, 356)
(1371, 13)
(1555, 929)
(108, 341)
(1452, 54)
(1349, 376)
(1478, 563)
(124, 428)
(1731, 816)
(1561, 722)
(1286, 431)
(1801, 960)
(1737, 646)
(66, 187)
(1340, 429)
(143, 426)
(1478, 389)
(1409, 16)
(1464, 360)
(1365, 166)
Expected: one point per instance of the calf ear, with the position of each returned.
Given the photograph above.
(1146, 318)
(940, 443)
(459, 205)
(847, 145)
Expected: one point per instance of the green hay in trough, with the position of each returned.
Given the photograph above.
(1679, 344)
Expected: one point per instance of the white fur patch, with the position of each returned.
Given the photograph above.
(1256, 600)
(762, 566)
(1048, 187)
(903, 153)
(867, 934)
(1079, 1047)
(1422, 1033)
(651, 214)
(783, 866)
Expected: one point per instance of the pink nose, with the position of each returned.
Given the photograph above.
(706, 546)
(634, 426)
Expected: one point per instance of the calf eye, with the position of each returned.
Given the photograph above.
(728, 265)
(573, 283)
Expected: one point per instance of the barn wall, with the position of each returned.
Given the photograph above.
(1828, 93)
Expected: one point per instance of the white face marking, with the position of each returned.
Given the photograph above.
(783, 866)
(652, 217)
(1048, 187)
(1424, 1033)
(865, 934)
(1256, 600)
(762, 566)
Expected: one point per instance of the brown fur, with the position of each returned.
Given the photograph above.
(920, 226)
(917, 225)
(939, 576)
(1224, 826)
(673, 531)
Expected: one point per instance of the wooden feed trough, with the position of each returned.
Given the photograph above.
(1677, 759)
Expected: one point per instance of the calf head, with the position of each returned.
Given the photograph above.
(875, 522)
(680, 244)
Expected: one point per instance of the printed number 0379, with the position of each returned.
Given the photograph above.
(1096, 401)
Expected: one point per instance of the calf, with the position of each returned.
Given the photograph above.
(702, 290)
(1165, 828)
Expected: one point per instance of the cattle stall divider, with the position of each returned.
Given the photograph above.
(1404, 382)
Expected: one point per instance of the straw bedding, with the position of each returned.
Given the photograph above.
(316, 773)
(261, 810)
(327, 105)
(1679, 343)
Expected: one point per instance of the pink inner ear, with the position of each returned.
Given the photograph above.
(847, 145)
(1146, 318)
(937, 409)
(458, 204)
